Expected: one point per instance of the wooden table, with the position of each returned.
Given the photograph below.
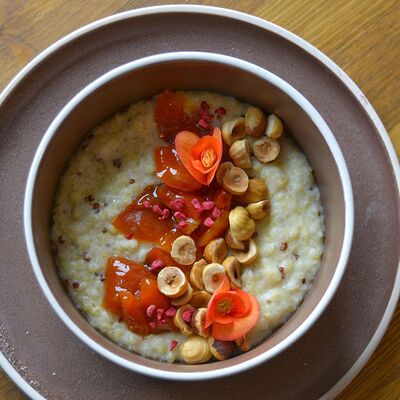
(361, 36)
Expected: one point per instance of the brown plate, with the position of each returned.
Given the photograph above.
(36, 347)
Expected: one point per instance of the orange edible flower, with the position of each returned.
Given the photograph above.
(232, 313)
(200, 156)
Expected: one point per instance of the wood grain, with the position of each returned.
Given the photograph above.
(362, 36)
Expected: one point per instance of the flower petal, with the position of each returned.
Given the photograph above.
(239, 326)
(185, 141)
(223, 287)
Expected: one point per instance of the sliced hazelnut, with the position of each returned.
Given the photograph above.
(184, 299)
(200, 299)
(223, 167)
(196, 274)
(184, 250)
(232, 242)
(233, 130)
(199, 321)
(221, 350)
(213, 275)
(232, 270)
(172, 282)
(184, 326)
(216, 250)
(235, 181)
(256, 191)
(249, 256)
(258, 210)
(266, 149)
(195, 350)
(241, 225)
(240, 153)
(274, 127)
(254, 122)
(243, 344)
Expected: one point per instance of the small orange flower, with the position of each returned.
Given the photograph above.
(200, 156)
(232, 313)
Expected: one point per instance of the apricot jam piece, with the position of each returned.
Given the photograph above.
(130, 289)
(170, 117)
(171, 170)
(143, 223)
(157, 253)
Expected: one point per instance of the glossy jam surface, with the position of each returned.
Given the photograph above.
(171, 170)
(170, 116)
(130, 288)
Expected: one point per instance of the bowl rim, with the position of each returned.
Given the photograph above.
(316, 119)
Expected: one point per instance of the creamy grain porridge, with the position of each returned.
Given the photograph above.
(116, 163)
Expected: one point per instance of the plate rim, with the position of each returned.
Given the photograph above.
(298, 41)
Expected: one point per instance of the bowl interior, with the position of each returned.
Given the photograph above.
(148, 80)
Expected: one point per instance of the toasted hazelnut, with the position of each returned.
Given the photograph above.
(184, 299)
(232, 242)
(241, 225)
(221, 350)
(274, 127)
(196, 274)
(195, 350)
(172, 282)
(199, 321)
(180, 323)
(266, 149)
(249, 256)
(216, 250)
(254, 121)
(243, 344)
(200, 299)
(256, 191)
(213, 275)
(223, 167)
(232, 270)
(184, 250)
(240, 153)
(258, 210)
(235, 181)
(233, 130)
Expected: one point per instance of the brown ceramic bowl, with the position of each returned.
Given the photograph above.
(247, 82)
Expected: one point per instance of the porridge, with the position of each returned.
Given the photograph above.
(188, 227)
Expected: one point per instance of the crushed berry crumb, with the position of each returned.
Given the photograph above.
(196, 204)
(208, 205)
(216, 213)
(117, 163)
(153, 324)
(165, 213)
(156, 266)
(283, 247)
(282, 271)
(61, 240)
(203, 124)
(132, 181)
(89, 198)
(128, 235)
(172, 345)
(170, 312)
(220, 111)
(177, 204)
(187, 315)
(179, 215)
(208, 222)
(182, 224)
(160, 313)
(147, 204)
(75, 285)
(204, 105)
(151, 309)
